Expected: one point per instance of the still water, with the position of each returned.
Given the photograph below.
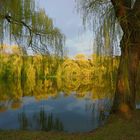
(48, 107)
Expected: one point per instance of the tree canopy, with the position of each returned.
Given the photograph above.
(102, 16)
(22, 21)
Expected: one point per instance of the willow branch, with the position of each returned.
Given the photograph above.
(32, 31)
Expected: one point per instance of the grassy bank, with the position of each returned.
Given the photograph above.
(116, 129)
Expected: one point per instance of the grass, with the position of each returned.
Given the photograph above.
(116, 128)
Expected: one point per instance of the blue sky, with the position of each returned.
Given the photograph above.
(66, 18)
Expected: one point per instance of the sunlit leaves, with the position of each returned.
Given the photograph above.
(96, 74)
(46, 76)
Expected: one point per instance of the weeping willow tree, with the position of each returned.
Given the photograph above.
(117, 22)
(22, 22)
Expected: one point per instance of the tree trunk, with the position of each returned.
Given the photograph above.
(126, 87)
(125, 94)
(129, 19)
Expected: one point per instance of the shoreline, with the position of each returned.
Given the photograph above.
(116, 128)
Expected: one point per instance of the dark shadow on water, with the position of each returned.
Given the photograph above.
(40, 121)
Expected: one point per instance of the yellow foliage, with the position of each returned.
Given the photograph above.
(80, 57)
(80, 76)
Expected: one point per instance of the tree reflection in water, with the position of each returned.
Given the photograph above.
(86, 87)
(40, 121)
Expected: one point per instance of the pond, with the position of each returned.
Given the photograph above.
(47, 106)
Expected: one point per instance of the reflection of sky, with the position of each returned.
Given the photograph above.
(75, 114)
(65, 17)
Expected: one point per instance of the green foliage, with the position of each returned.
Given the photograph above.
(29, 26)
(100, 15)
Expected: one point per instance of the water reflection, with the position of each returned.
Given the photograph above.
(39, 121)
(77, 99)
(49, 106)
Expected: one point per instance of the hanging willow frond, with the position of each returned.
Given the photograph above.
(30, 27)
(101, 16)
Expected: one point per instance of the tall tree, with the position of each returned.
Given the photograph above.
(29, 26)
(111, 16)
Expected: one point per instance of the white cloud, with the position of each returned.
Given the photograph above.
(80, 44)
(66, 18)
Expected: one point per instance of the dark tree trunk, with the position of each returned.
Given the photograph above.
(124, 100)
(129, 19)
